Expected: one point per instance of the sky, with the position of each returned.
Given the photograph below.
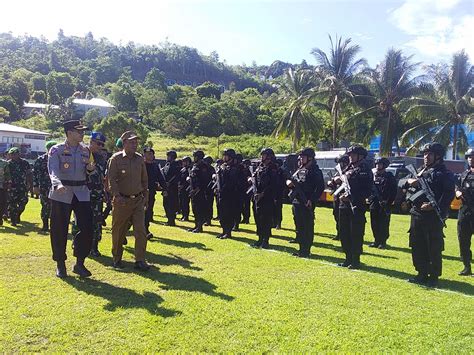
(262, 31)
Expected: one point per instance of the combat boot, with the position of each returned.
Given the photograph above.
(61, 269)
(419, 279)
(466, 271)
(45, 227)
(95, 249)
(355, 263)
(80, 269)
(432, 281)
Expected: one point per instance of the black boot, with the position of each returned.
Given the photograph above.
(466, 271)
(355, 263)
(95, 249)
(45, 227)
(80, 269)
(61, 269)
(419, 279)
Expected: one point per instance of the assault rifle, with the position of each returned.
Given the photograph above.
(345, 186)
(426, 190)
(253, 188)
(297, 192)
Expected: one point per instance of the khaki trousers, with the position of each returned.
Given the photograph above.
(123, 215)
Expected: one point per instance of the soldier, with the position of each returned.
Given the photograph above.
(383, 194)
(343, 162)
(171, 172)
(183, 186)
(227, 188)
(246, 197)
(209, 210)
(264, 182)
(128, 184)
(306, 186)
(356, 181)
(42, 185)
(154, 175)
(430, 193)
(95, 183)
(68, 166)
(199, 179)
(282, 176)
(4, 185)
(21, 180)
(465, 192)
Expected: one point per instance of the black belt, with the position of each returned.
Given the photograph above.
(140, 194)
(73, 183)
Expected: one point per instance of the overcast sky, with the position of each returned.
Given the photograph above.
(244, 31)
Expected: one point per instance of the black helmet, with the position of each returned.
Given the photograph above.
(435, 148)
(308, 152)
(198, 154)
(267, 151)
(239, 157)
(230, 153)
(171, 153)
(384, 161)
(208, 159)
(469, 153)
(247, 162)
(357, 149)
(343, 159)
(186, 158)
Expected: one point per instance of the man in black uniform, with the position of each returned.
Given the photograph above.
(199, 179)
(246, 197)
(209, 210)
(183, 186)
(383, 194)
(465, 192)
(306, 186)
(153, 176)
(356, 182)
(171, 172)
(264, 182)
(227, 189)
(429, 210)
(281, 189)
(343, 162)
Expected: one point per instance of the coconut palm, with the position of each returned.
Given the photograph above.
(447, 110)
(392, 81)
(299, 120)
(338, 73)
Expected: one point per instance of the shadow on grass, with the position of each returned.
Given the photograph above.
(171, 281)
(24, 228)
(168, 260)
(180, 243)
(120, 297)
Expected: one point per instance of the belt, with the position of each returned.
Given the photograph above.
(140, 194)
(73, 182)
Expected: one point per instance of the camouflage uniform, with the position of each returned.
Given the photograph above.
(19, 172)
(95, 183)
(42, 181)
(4, 182)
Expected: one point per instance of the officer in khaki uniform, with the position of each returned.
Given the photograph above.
(128, 185)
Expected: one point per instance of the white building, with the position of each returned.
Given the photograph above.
(84, 105)
(29, 108)
(27, 140)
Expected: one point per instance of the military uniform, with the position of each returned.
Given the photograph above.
(20, 173)
(281, 190)
(352, 208)
(465, 184)
(171, 172)
(426, 227)
(246, 197)
(342, 162)
(383, 194)
(4, 183)
(200, 177)
(308, 185)
(209, 193)
(42, 181)
(154, 177)
(183, 193)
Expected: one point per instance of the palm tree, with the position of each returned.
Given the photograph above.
(447, 110)
(338, 73)
(392, 81)
(298, 121)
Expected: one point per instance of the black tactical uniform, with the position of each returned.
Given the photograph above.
(282, 176)
(352, 206)
(199, 178)
(343, 162)
(306, 186)
(154, 175)
(228, 187)
(246, 197)
(171, 172)
(465, 186)
(426, 227)
(183, 188)
(265, 187)
(383, 194)
(209, 193)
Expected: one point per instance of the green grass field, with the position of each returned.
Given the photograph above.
(209, 295)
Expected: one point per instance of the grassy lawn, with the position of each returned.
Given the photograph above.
(209, 295)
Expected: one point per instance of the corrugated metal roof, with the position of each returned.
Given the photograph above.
(93, 102)
(4, 127)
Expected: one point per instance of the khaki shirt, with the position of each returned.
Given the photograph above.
(127, 175)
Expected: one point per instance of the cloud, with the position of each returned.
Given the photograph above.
(437, 28)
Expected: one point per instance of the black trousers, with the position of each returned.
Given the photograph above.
(149, 210)
(263, 214)
(351, 232)
(60, 217)
(246, 207)
(228, 211)
(427, 244)
(380, 223)
(184, 203)
(304, 223)
(209, 209)
(199, 204)
(465, 231)
(3, 202)
(278, 214)
(170, 203)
